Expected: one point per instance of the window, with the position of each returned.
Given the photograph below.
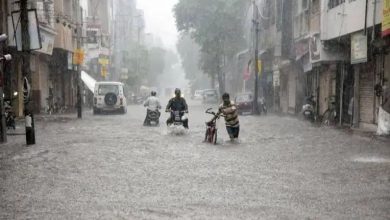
(104, 89)
(315, 6)
(335, 3)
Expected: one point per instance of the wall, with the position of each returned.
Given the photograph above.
(347, 18)
(3, 18)
(63, 39)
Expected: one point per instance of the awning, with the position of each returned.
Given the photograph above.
(88, 81)
(244, 52)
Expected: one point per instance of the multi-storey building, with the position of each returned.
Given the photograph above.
(99, 41)
(332, 50)
(52, 73)
(354, 27)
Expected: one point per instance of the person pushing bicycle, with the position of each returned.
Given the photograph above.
(229, 110)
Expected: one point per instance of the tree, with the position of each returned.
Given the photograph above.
(216, 26)
(156, 64)
(190, 54)
(137, 65)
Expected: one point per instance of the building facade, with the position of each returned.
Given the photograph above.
(334, 51)
(52, 80)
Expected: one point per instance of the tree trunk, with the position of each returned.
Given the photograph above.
(221, 81)
(212, 81)
(221, 74)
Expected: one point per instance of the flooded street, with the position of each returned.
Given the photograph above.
(111, 167)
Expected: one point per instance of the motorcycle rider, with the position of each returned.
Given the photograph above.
(153, 104)
(177, 103)
(229, 110)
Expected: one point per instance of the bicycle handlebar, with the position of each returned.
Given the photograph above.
(171, 111)
(213, 113)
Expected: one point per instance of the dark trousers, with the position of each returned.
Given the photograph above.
(30, 136)
(233, 131)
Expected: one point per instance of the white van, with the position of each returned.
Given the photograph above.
(109, 97)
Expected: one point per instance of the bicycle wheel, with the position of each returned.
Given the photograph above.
(329, 117)
(206, 135)
(210, 136)
(326, 118)
(215, 137)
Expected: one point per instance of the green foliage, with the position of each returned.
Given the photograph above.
(156, 62)
(190, 54)
(137, 64)
(216, 26)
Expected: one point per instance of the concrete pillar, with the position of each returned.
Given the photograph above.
(356, 97)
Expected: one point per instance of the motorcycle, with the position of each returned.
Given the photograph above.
(177, 125)
(211, 134)
(308, 109)
(262, 106)
(9, 116)
(153, 118)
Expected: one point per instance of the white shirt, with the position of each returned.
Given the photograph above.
(28, 121)
(152, 103)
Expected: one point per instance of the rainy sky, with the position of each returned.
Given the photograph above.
(160, 20)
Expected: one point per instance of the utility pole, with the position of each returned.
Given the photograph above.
(256, 63)
(29, 117)
(79, 29)
(3, 127)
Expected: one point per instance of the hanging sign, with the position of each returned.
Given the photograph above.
(386, 18)
(78, 56)
(15, 28)
(358, 48)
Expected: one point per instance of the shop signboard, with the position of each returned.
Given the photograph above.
(386, 18)
(358, 48)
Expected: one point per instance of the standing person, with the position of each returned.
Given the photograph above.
(386, 96)
(153, 104)
(229, 110)
(384, 110)
(177, 103)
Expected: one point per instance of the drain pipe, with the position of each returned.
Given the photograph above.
(373, 23)
(365, 19)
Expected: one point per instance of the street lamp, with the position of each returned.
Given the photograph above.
(256, 63)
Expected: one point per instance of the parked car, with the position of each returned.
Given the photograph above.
(198, 95)
(109, 97)
(210, 96)
(244, 102)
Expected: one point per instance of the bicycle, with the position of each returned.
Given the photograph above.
(211, 134)
(329, 118)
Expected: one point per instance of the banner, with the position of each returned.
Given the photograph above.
(78, 56)
(358, 48)
(247, 71)
(386, 18)
(15, 30)
(47, 40)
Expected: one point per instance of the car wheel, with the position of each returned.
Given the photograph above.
(95, 111)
